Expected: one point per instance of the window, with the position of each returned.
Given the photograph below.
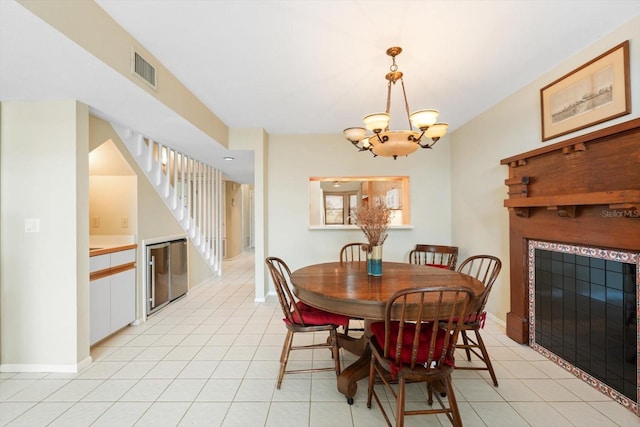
(333, 209)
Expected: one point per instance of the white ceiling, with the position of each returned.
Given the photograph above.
(299, 67)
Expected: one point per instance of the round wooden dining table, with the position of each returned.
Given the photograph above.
(346, 288)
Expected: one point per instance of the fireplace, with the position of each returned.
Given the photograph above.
(583, 308)
(574, 207)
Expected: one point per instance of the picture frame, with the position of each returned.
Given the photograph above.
(595, 92)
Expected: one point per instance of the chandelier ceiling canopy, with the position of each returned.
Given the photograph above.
(393, 143)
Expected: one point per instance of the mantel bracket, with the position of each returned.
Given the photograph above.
(564, 211)
(521, 212)
(574, 148)
(519, 162)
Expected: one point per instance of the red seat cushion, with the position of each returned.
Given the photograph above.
(446, 267)
(475, 317)
(313, 316)
(377, 330)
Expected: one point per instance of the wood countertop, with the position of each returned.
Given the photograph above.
(110, 249)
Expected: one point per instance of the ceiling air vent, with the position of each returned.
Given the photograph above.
(144, 70)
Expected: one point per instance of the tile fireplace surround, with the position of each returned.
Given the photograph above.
(586, 323)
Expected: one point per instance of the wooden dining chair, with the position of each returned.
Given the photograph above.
(485, 268)
(408, 347)
(434, 256)
(354, 252)
(299, 318)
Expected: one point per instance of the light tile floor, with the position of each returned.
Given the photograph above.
(211, 359)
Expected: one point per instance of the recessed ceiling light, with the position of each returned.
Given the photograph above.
(229, 158)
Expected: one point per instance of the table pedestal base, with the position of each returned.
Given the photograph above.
(349, 377)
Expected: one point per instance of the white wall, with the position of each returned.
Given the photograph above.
(294, 158)
(111, 199)
(44, 279)
(480, 222)
(112, 190)
(257, 141)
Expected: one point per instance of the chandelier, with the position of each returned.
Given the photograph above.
(394, 143)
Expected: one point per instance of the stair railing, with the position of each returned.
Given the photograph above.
(192, 191)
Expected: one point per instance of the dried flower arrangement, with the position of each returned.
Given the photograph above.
(373, 219)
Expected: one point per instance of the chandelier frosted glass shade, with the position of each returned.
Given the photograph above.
(396, 143)
(355, 134)
(422, 119)
(436, 131)
(393, 143)
(376, 122)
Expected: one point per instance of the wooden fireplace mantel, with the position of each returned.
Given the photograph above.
(584, 191)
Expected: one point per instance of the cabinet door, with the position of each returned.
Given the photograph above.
(100, 309)
(123, 299)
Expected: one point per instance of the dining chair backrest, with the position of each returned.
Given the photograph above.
(415, 344)
(354, 252)
(485, 268)
(434, 255)
(406, 326)
(281, 276)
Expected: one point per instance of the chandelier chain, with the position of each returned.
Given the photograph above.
(406, 105)
(394, 66)
(388, 98)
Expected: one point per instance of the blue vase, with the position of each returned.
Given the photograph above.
(374, 261)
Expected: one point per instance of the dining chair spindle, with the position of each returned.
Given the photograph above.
(354, 252)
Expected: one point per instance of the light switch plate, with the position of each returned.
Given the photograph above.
(32, 225)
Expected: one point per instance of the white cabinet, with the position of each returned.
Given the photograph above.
(123, 301)
(112, 293)
(100, 312)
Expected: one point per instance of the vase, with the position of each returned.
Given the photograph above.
(374, 261)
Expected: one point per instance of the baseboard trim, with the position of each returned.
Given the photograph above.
(36, 367)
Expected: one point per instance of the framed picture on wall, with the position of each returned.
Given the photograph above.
(593, 93)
